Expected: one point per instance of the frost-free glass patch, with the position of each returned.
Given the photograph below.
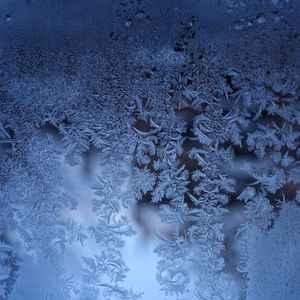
(149, 150)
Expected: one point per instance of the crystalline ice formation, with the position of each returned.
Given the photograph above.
(175, 123)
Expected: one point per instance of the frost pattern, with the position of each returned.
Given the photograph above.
(183, 113)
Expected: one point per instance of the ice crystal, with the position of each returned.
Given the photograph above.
(189, 107)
